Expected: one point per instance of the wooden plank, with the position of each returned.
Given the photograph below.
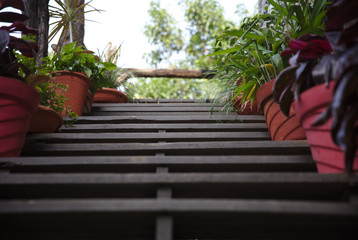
(175, 127)
(158, 105)
(175, 114)
(218, 219)
(296, 208)
(169, 73)
(178, 148)
(162, 100)
(298, 163)
(146, 137)
(171, 119)
(155, 109)
(308, 186)
(164, 228)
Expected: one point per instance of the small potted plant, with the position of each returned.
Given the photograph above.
(81, 71)
(18, 101)
(253, 57)
(323, 79)
(109, 93)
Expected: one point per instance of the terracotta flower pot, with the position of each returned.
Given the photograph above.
(79, 84)
(18, 102)
(328, 157)
(45, 120)
(87, 107)
(110, 95)
(280, 127)
(247, 109)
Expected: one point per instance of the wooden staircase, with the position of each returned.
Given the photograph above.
(170, 170)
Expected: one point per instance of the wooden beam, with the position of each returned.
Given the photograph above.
(168, 73)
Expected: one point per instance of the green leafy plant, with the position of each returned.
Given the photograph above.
(51, 94)
(246, 58)
(299, 17)
(111, 55)
(76, 59)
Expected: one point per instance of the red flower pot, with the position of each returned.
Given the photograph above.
(45, 120)
(247, 109)
(279, 125)
(18, 102)
(110, 95)
(328, 157)
(78, 86)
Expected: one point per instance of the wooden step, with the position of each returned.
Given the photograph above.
(177, 148)
(201, 219)
(135, 164)
(168, 127)
(308, 186)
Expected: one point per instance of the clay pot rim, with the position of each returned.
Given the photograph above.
(76, 74)
(115, 92)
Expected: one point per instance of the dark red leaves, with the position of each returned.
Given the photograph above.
(19, 27)
(18, 4)
(26, 47)
(311, 49)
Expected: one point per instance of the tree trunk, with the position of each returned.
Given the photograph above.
(37, 11)
(78, 29)
(79, 26)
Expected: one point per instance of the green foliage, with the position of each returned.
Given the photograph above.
(169, 88)
(76, 59)
(206, 21)
(52, 96)
(299, 18)
(247, 57)
(163, 32)
(111, 76)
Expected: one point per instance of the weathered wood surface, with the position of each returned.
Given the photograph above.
(178, 148)
(170, 127)
(167, 73)
(257, 163)
(180, 176)
(155, 109)
(133, 218)
(146, 137)
(308, 186)
(171, 119)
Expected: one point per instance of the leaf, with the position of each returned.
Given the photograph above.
(285, 101)
(277, 60)
(344, 97)
(11, 17)
(230, 50)
(284, 80)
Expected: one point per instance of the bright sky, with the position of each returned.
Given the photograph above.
(122, 22)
